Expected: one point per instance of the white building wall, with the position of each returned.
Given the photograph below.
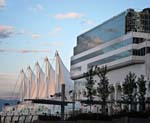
(118, 75)
(115, 77)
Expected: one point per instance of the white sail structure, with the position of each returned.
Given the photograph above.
(31, 83)
(23, 86)
(49, 78)
(58, 74)
(41, 84)
(62, 76)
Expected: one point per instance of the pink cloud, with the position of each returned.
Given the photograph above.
(54, 44)
(23, 51)
(2, 3)
(33, 51)
(55, 31)
(71, 15)
(35, 36)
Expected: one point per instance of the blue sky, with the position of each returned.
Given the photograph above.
(33, 29)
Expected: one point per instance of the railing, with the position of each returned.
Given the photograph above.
(18, 118)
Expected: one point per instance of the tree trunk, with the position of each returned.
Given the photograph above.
(90, 108)
(142, 106)
(104, 107)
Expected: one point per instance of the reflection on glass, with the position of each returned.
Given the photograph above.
(102, 51)
(107, 31)
(111, 58)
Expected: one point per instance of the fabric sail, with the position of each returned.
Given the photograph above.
(31, 83)
(42, 85)
(49, 78)
(23, 86)
(62, 75)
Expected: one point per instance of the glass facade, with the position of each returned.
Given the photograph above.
(107, 31)
(115, 27)
(103, 51)
(111, 58)
(136, 52)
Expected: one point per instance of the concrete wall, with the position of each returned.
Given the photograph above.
(115, 77)
(118, 75)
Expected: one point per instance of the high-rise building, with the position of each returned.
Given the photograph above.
(122, 43)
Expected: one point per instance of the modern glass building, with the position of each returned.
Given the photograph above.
(122, 43)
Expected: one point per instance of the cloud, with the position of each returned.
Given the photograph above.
(57, 43)
(35, 36)
(28, 33)
(54, 44)
(37, 8)
(87, 22)
(71, 15)
(2, 3)
(22, 32)
(5, 31)
(23, 51)
(33, 51)
(55, 31)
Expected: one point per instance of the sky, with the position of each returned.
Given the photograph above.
(30, 30)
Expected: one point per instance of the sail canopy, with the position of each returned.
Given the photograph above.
(46, 82)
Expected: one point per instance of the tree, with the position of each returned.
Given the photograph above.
(141, 92)
(119, 89)
(129, 89)
(111, 92)
(102, 89)
(111, 89)
(90, 84)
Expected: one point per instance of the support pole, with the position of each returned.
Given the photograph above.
(62, 99)
(73, 104)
